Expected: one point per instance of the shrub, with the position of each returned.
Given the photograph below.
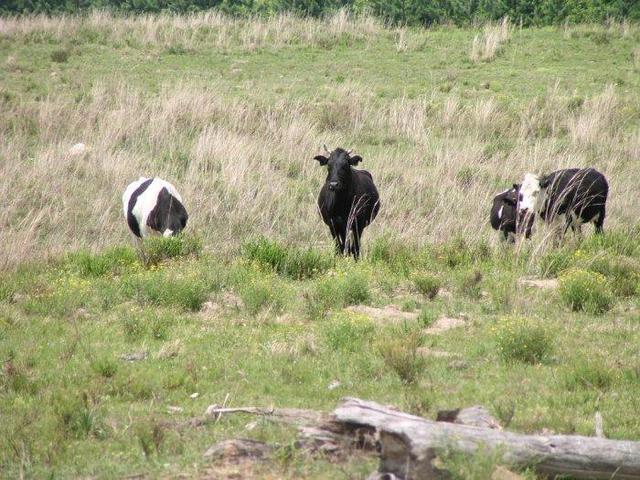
(469, 283)
(623, 273)
(354, 287)
(523, 340)
(585, 290)
(348, 332)
(60, 55)
(321, 297)
(427, 317)
(400, 353)
(105, 367)
(76, 417)
(428, 285)
(265, 252)
(158, 249)
(306, 263)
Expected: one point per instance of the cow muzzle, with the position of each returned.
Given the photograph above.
(333, 186)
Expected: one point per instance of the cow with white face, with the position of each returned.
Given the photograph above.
(504, 214)
(153, 206)
(573, 196)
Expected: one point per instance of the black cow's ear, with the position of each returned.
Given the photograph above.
(354, 160)
(516, 186)
(322, 159)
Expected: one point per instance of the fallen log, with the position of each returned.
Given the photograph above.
(409, 444)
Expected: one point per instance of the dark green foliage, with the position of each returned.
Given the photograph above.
(157, 249)
(297, 263)
(522, 340)
(427, 284)
(112, 262)
(409, 12)
(400, 353)
(60, 56)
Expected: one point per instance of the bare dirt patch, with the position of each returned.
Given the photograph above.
(543, 283)
(443, 324)
(387, 314)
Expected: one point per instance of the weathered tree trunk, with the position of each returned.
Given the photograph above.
(409, 444)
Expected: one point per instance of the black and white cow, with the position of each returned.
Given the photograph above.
(504, 214)
(348, 200)
(575, 195)
(153, 206)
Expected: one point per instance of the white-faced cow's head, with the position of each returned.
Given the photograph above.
(339, 164)
(530, 196)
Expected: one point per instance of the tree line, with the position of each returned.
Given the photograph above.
(406, 12)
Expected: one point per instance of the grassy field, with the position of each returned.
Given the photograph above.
(251, 307)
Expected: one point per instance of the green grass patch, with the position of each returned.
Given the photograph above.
(523, 340)
(582, 290)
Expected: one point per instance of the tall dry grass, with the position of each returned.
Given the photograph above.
(487, 46)
(246, 167)
(212, 28)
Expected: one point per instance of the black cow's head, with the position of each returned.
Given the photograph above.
(339, 165)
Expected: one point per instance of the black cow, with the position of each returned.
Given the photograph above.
(348, 200)
(153, 206)
(504, 214)
(578, 194)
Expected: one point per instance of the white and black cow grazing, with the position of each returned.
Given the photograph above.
(348, 200)
(153, 207)
(578, 195)
(504, 213)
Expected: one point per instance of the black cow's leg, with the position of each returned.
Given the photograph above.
(339, 233)
(599, 223)
(355, 244)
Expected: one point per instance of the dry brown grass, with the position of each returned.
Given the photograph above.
(487, 46)
(188, 31)
(249, 168)
(245, 166)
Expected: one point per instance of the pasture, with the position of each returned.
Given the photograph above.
(105, 358)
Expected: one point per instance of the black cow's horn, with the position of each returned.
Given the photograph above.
(325, 148)
(349, 151)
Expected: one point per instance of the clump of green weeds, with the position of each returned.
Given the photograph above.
(110, 262)
(555, 261)
(587, 291)
(523, 340)
(589, 373)
(105, 366)
(296, 263)
(188, 290)
(348, 332)
(337, 290)
(622, 273)
(158, 249)
(399, 351)
(77, 417)
(262, 292)
(427, 284)
(399, 257)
